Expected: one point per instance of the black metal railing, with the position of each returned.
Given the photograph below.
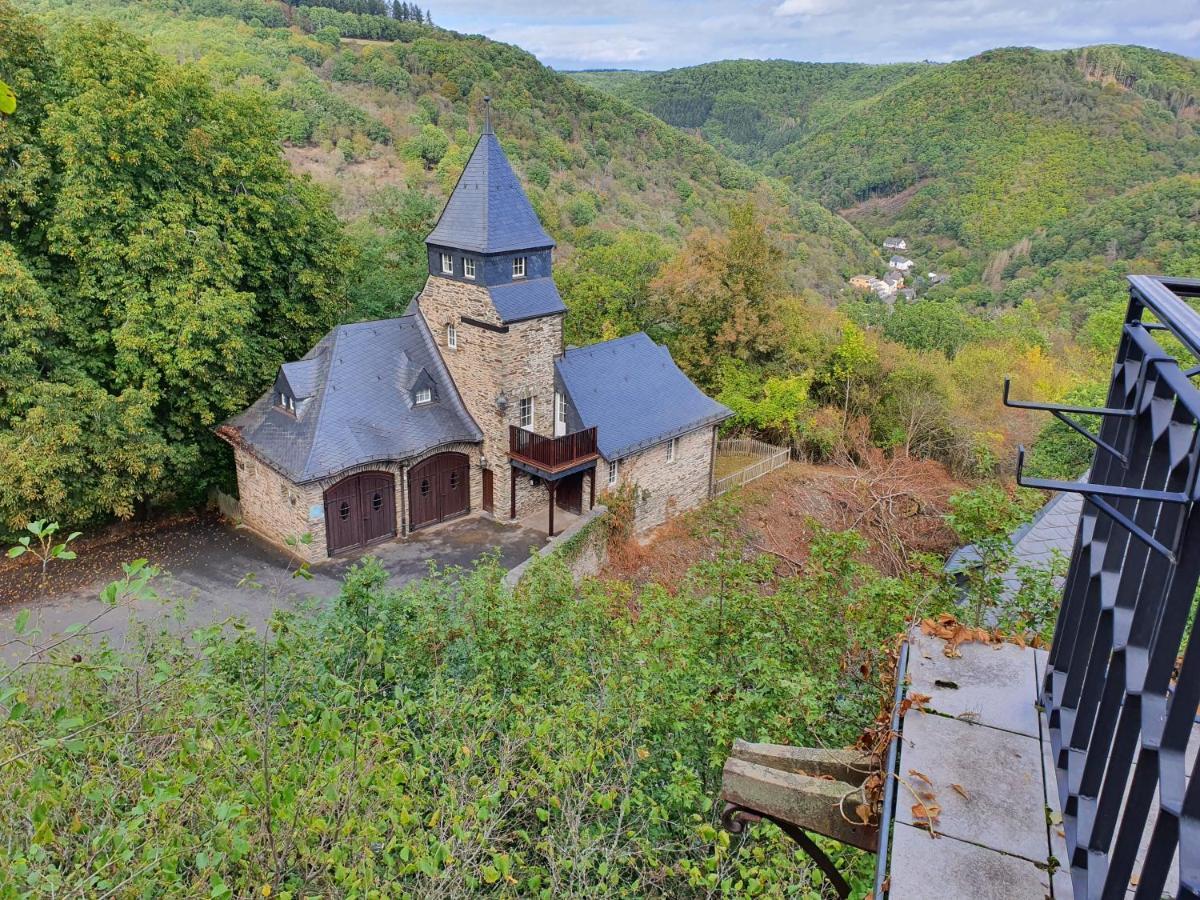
(1120, 701)
(552, 453)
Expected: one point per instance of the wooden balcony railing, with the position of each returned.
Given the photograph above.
(552, 454)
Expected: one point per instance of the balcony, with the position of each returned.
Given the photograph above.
(552, 456)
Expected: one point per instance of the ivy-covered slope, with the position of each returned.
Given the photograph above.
(365, 116)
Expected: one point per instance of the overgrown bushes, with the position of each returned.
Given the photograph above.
(445, 738)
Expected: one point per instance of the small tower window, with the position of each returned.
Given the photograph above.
(526, 409)
(614, 472)
(424, 395)
(287, 402)
(447, 264)
(452, 336)
(519, 267)
(672, 445)
(468, 268)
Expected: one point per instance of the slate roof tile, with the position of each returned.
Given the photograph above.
(520, 300)
(488, 211)
(361, 407)
(633, 392)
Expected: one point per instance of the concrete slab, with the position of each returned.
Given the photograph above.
(999, 771)
(994, 685)
(924, 868)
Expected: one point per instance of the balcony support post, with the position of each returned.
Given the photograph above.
(512, 490)
(553, 488)
(592, 489)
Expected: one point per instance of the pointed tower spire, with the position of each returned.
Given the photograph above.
(488, 211)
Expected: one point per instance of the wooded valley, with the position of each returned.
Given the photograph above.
(195, 191)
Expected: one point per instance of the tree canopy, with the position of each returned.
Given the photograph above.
(162, 261)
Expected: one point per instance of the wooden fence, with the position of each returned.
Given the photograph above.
(768, 458)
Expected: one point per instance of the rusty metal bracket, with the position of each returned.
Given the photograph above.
(734, 819)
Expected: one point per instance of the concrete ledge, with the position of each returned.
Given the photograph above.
(514, 576)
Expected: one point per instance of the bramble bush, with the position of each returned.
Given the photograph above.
(446, 738)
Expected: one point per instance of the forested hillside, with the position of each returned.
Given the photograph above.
(376, 119)
(751, 108)
(963, 158)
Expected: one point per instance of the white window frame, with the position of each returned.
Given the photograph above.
(525, 408)
(672, 446)
(447, 264)
(452, 336)
(468, 268)
(518, 267)
(614, 471)
(560, 413)
(424, 395)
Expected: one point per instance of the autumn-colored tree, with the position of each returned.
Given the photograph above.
(722, 296)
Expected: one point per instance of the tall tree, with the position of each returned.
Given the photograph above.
(722, 295)
(182, 263)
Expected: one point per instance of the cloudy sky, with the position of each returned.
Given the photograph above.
(575, 34)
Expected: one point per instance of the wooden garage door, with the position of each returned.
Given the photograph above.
(439, 489)
(360, 510)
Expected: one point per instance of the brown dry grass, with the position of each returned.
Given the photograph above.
(896, 503)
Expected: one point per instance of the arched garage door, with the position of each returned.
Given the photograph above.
(438, 489)
(360, 510)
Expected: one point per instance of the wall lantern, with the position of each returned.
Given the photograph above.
(502, 401)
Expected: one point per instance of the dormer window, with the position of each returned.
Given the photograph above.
(286, 401)
(447, 264)
(519, 267)
(468, 268)
(424, 395)
(451, 337)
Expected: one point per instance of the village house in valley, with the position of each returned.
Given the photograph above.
(468, 403)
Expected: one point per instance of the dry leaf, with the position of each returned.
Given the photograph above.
(915, 774)
(959, 789)
(864, 813)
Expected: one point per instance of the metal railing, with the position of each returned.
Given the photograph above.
(552, 453)
(769, 458)
(1120, 702)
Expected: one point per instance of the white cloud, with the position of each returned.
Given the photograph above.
(669, 33)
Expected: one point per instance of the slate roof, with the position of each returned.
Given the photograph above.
(635, 395)
(360, 409)
(488, 211)
(897, 261)
(526, 299)
(1034, 543)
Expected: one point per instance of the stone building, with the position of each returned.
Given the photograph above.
(468, 403)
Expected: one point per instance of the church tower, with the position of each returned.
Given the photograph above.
(496, 314)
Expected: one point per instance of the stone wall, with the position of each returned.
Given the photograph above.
(583, 547)
(518, 360)
(666, 489)
(279, 509)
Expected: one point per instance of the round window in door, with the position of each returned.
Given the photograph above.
(360, 510)
(439, 489)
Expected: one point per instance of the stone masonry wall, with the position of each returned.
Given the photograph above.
(666, 489)
(275, 507)
(278, 509)
(520, 362)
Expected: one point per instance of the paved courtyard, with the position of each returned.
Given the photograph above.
(212, 572)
